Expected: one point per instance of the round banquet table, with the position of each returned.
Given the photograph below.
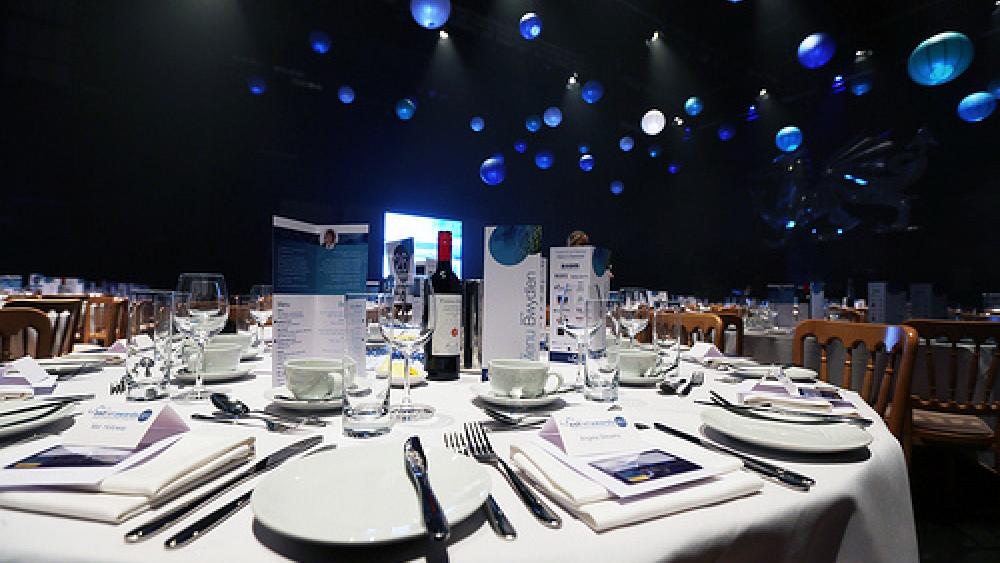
(859, 509)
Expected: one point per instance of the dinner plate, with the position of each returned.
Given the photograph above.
(803, 438)
(282, 397)
(213, 376)
(639, 380)
(485, 392)
(25, 421)
(349, 496)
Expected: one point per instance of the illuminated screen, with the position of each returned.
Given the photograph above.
(424, 231)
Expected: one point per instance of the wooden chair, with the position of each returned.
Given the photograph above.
(15, 321)
(64, 326)
(104, 319)
(890, 398)
(708, 325)
(953, 416)
(735, 320)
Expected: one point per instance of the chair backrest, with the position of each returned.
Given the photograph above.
(732, 318)
(707, 325)
(977, 396)
(14, 322)
(104, 319)
(849, 314)
(890, 398)
(64, 325)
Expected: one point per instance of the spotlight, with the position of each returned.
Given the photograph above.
(790, 224)
(443, 34)
(678, 121)
(763, 93)
(840, 231)
(656, 35)
(573, 80)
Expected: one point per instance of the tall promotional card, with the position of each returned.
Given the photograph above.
(512, 270)
(576, 274)
(314, 268)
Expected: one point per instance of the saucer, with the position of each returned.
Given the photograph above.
(485, 392)
(213, 376)
(639, 380)
(282, 397)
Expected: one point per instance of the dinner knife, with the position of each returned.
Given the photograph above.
(416, 465)
(270, 462)
(769, 470)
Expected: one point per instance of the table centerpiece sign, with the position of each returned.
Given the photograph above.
(576, 274)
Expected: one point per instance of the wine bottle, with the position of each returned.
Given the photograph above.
(442, 350)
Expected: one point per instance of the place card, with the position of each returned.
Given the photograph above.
(702, 350)
(590, 433)
(124, 425)
(29, 369)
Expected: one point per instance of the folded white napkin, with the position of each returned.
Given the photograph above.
(131, 492)
(803, 404)
(600, 510)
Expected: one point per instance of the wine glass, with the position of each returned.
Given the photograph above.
(407, 325)
(659, 303)
(261, 308)
(201, 310)
(633, 311)
(581, 321)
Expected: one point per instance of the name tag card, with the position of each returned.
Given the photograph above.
(124, 425)
(586, 434)
(29, 369)
(702, 350)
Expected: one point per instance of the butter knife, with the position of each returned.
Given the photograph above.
(166, 520)
(416, 466)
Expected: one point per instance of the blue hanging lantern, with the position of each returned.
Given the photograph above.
(587, 162)
(492, 170)
(257, 85)
(693, 106)
(674, 168)
(477, 124)
(592, 91)
(940, 58)
(430, 14)
(976, 106)
(544, 159)
(617, 187)
(816, 50)
(533, 123)
(861, 85)
(405, 108)
(726, 131)
(584, 149)
(319, 41)
(345, 94)
(626, 143)
(552, 117)
(531, 26)
(654, 151)
(520, 146)
(788, 138)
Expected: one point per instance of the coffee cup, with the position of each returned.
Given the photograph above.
(522, 379)
(244, 339)
(634, 362)
(318, 378)
(221, 357)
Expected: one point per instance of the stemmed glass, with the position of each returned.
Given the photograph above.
(201, 308)
(406, 327)
(261, 308)
(580, 322)
(659, 303)
(633, 311)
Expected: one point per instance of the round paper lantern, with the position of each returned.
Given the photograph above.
(531, 26)
(940, 58)
(626, 143)
(345, 94)
(431, 14)
(653, 122)
(520, 146)
(584, 149)
(544, 159)
(674, 168)
(654, 151)
(976, 106)
(492, 171)
(592, 91)
(319, 41)
(405, 108)
(693, 106)
(477, 124)
(816, 50)
(587, 162)
(552, 116)
(617, 187)
(788, 138)
(726, 131)
(533, 123)
(257, 85)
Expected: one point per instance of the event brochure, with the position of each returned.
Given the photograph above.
(513, 307)
(576, 273)
(606, 448)
(760, 390)
(314, 268)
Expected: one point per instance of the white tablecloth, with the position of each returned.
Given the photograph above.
(859, 509)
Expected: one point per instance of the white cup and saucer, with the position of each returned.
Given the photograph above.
(635, 366)
(520, 384)
(220, 362)
(315, 383)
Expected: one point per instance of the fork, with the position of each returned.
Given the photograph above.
(498, 520)
(482, 451)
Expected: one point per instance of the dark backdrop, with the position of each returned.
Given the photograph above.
(134, 151)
